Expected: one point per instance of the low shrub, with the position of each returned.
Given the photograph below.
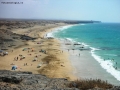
(90, 84)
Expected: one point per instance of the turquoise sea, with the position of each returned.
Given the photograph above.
(102, 38)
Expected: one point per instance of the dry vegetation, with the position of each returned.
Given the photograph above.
(90, 84)
(49, 67)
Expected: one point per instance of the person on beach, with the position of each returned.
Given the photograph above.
(5, 53)
(79, 54)
(36, 56)
(17, 58)
(20, 55)
(20, 58)
(35, 59)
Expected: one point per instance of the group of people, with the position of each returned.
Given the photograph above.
(114, 63)
(20, 56)
(3, 53)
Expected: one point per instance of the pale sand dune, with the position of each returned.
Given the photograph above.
(55, 63)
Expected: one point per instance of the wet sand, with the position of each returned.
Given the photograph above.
(86, 67)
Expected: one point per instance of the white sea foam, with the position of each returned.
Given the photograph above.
(82, 24)
(73, 41)
(107, 64)
(86, 45)
(51, 34)
(63, 28)
(69, 39)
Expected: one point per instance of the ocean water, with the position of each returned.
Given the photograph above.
(102, 38)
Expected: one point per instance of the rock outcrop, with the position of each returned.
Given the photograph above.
(14, 80)
(17, 80)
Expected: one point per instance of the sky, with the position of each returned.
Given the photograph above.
(99, 10)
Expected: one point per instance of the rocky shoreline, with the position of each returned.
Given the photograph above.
(27, 81)
(18, 80)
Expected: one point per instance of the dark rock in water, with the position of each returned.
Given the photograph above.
(77, 44)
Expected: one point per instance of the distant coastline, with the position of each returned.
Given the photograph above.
(64, 21)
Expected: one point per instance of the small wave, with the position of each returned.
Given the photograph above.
(82, 24)
(105, 48)
(94, 49)
(74, 41)
(110, 54)
(107, 64)
(64, 27)
(51, 34)
(86, 45)
(69, 39)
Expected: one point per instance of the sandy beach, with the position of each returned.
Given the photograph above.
(40, 56)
